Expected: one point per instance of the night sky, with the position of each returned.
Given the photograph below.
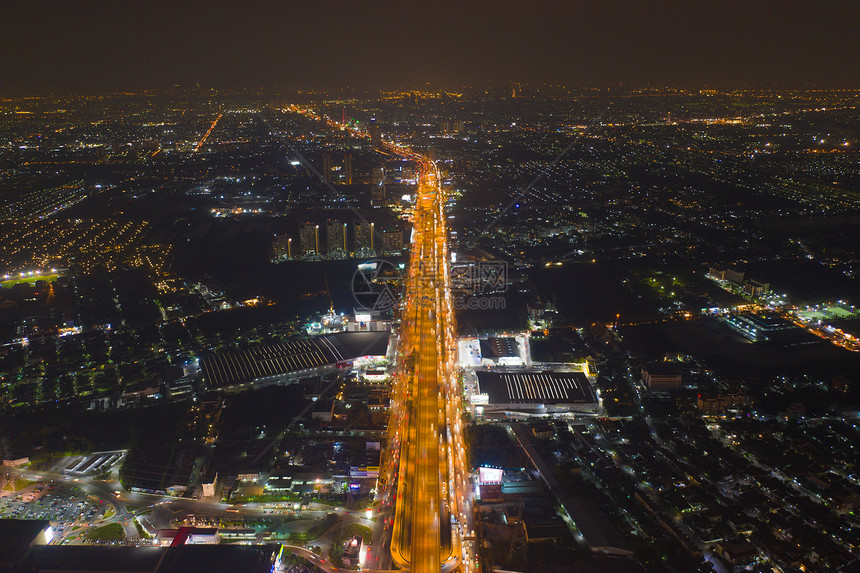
(117, 44)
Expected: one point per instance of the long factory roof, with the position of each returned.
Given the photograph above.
(536, 387)
(223, 369)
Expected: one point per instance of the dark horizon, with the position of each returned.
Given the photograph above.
(86, 47)
(604, 89)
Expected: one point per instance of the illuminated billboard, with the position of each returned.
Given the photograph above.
(490, 475)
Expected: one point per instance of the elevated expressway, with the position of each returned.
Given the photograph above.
(426, 457)
(432, 510)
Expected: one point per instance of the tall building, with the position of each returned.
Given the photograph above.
(347, 169)
(327, 167)
(375, 134)
(447, 126)
(377, 195)
(377, 190)
(392, 241)
(309, 239)
(282, 248)
(735, 276)
(364, 238)
(756, 289)
(335, 233)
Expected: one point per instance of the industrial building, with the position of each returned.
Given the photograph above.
(535, 392)
(288, 361)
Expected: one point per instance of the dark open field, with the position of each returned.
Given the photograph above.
(732, 355)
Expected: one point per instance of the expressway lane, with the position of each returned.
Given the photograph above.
(431, 486)
(425, 474)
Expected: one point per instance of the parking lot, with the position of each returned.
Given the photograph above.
(63, 505)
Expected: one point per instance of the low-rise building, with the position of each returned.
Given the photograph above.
(718, 403)
(661, 376)
(534, 392)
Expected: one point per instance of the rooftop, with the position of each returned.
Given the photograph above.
(224, 369)
(499, 347)
(536, 387)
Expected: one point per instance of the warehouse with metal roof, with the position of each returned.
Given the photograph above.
(536, 391)
(287, 361)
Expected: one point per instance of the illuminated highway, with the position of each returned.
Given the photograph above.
(208, 132)
(425, 471)
(432, 513)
